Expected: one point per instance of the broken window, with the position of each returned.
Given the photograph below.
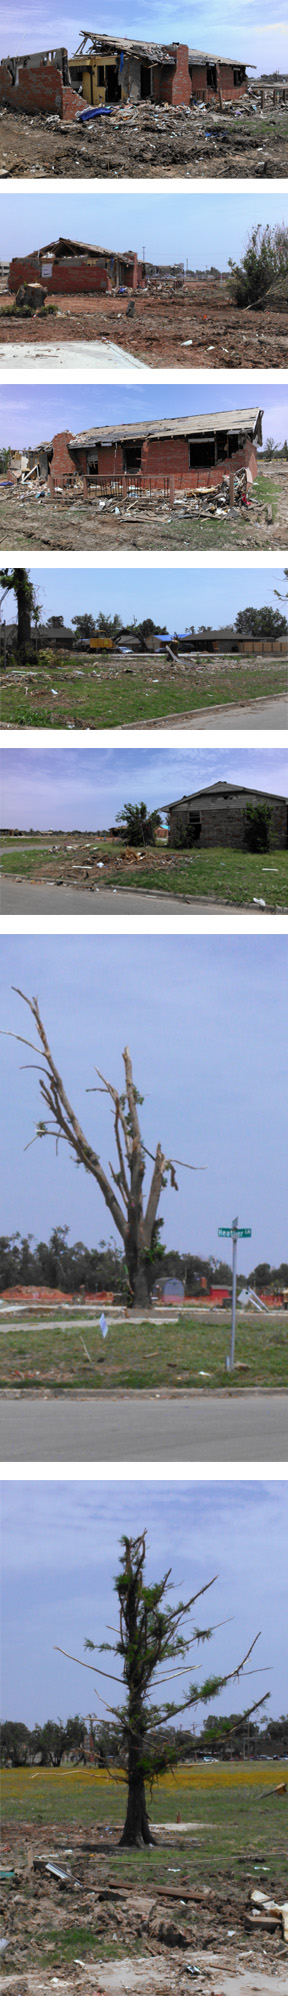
(201, 452)
(194, 827)
(132, 457)
(238, 76)
(93, 465)
(211, 73)
(100, 75)
(145, 80)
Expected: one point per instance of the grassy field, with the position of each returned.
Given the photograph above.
(189, 1353)
(227, 1799)
(235, 877)
(132, 695)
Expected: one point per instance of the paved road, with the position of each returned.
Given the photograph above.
(97, 354)
(257, 714)
(146, 1429)
(23, 898)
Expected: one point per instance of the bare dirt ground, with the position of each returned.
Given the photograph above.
(146, 141)
(74, 523)
(193, 326)
(161, 1931)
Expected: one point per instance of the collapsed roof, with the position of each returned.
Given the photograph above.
(151, 52)
(248, 420)
(66, 247)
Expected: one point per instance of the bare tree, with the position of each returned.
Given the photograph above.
(150, 1635)
(125, 1203)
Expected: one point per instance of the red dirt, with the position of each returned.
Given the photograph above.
(221, 335)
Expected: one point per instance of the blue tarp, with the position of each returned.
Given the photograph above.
(97, 111)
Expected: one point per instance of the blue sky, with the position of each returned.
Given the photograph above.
(61, 1551)
(86, 787)
(253, 37)
(30, 414)
(206, 1021)
(176, 597)
(203, 227)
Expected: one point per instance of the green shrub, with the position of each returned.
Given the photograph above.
(257, 827)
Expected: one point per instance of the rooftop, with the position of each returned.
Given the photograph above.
(151, 52)
(176, 426)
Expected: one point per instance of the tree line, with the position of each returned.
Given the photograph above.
(87, 1743)
(73, 1267)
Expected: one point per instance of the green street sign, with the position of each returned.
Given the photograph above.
(243, 1233)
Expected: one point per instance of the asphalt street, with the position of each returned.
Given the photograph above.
(24, 898)
(257, 714)
(223, 1428)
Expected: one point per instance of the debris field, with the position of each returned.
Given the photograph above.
(194, 325)
(145, 140)
(56, 1889)
(195, 520)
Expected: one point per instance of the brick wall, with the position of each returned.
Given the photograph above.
(223, 819)
(73, 275)
(40, 89)
(173, 86)
(163, 457)
(225, 74)
(61, 461)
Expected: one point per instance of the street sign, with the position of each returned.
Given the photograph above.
(234, 1233)
(243, 1233)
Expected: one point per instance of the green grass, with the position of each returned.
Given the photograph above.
(144, 1356)
(265, 492)
(222, 1797)
(135, 695)
(235, 877)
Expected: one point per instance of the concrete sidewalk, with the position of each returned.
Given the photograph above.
(101, 355)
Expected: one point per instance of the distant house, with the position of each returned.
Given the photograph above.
(216, 815)
(70, 266)
(194, 450)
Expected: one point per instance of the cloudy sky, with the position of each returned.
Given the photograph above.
(252, 36)
(206, 1021)
(30, 414)
(85, 788)
(199, 226)
(176, 597)
(61, 1551)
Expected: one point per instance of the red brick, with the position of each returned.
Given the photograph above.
(40, 89)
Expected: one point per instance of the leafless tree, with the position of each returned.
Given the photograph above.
(123, 1192)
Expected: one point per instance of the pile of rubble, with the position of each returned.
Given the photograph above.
(51, 1888)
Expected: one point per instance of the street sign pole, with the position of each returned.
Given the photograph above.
(234, 1288)
(243, 1233)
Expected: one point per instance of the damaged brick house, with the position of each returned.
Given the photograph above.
(39, 82)
(216, 816)
(111, 69)
(185, 452)
(71, 266)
